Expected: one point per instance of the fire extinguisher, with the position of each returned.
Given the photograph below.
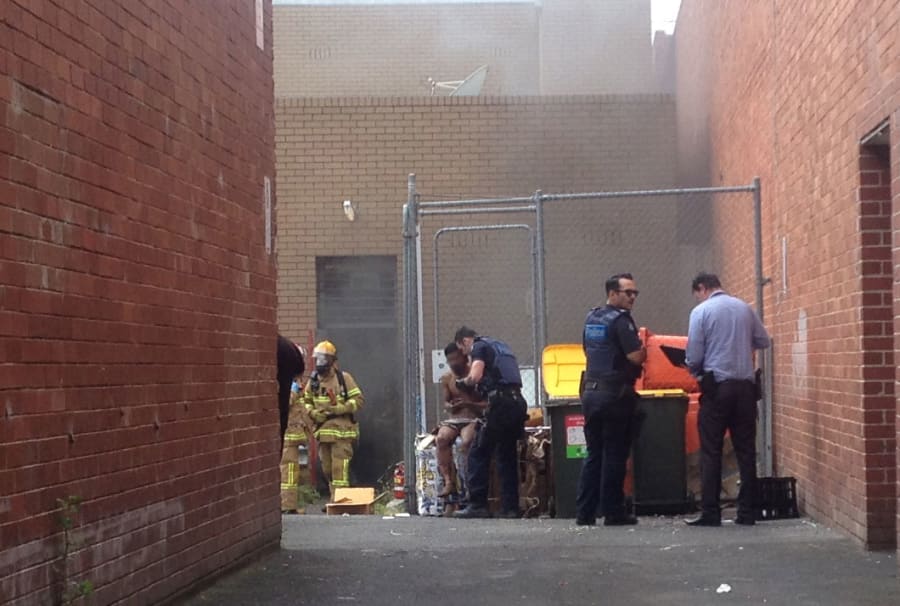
(399, 481)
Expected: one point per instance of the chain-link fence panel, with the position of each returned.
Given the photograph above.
(530, 273)
(663, 240)
(477, 272)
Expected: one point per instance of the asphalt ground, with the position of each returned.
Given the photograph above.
(369, 560)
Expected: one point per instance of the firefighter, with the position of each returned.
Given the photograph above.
(297, 435)
(332, 399)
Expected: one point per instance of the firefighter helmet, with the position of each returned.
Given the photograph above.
(325, 347)
(324, 355)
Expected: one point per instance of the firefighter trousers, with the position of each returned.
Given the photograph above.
(292, 472)
(335, 457)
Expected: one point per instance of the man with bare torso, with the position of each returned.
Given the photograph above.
(464, 407)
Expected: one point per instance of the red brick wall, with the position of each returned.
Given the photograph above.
(786, 91)
(879, 399)
(137, 299)
(895, 228)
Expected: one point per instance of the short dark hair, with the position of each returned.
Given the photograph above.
(451, 348)
(612, 283)
(710, 281)
(463, 333)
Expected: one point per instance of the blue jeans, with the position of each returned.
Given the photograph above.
(608, 427)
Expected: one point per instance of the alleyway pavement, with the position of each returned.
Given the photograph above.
(367, 560)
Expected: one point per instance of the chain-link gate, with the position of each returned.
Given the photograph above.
(527, 269)
(504, 303)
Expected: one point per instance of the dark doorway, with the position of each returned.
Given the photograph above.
(877, 310)
(356, 309)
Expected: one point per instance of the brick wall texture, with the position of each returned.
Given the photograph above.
(556, 47)
(137, 303)
(787, 91)
(330, 150)
(362, 149)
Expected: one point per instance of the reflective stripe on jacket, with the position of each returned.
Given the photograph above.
(339, 427)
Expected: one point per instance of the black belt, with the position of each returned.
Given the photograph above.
(590, 384)
(506, 390)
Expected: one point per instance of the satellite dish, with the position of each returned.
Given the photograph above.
(469, 87)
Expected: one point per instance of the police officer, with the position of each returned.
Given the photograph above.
(494, 371)
(608, 400)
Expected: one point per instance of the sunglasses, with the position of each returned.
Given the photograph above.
(630, 292)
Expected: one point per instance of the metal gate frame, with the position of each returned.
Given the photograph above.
(534, 328)
(413, 338)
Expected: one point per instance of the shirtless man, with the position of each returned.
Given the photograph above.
(464, 408)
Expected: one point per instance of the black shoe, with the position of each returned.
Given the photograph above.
(472, 511)
(509, 514)
(704, 520)
(585, 521)
(620, 520)
(745, 520)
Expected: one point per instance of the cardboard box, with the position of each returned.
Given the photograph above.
(355, 501)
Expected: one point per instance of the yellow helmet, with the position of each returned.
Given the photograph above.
(325, 347)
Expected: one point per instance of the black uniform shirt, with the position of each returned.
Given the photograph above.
(626, 335)
(484, 352)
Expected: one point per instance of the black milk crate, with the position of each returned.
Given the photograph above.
(777, 498)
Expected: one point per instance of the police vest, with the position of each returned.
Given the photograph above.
(505, 370)
(605, 358)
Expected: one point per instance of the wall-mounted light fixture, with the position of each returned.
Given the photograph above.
(349, 210)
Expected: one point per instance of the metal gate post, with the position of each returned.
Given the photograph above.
(757, 234)
(410, 346)
(768, 366)
(767, 358)
(540, 298)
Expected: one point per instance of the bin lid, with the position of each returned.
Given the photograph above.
(662, 393)
(561, 368)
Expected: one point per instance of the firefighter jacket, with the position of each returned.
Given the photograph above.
(299, 427)
(332, 407)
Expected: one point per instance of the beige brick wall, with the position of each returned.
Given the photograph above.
(565, 47)
(596, 47)
(329, 150)
(394, 49)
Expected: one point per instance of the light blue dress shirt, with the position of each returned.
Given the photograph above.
(722, 335)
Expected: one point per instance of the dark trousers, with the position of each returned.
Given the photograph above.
(731, 406)
(608, 427)
(499, 436)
